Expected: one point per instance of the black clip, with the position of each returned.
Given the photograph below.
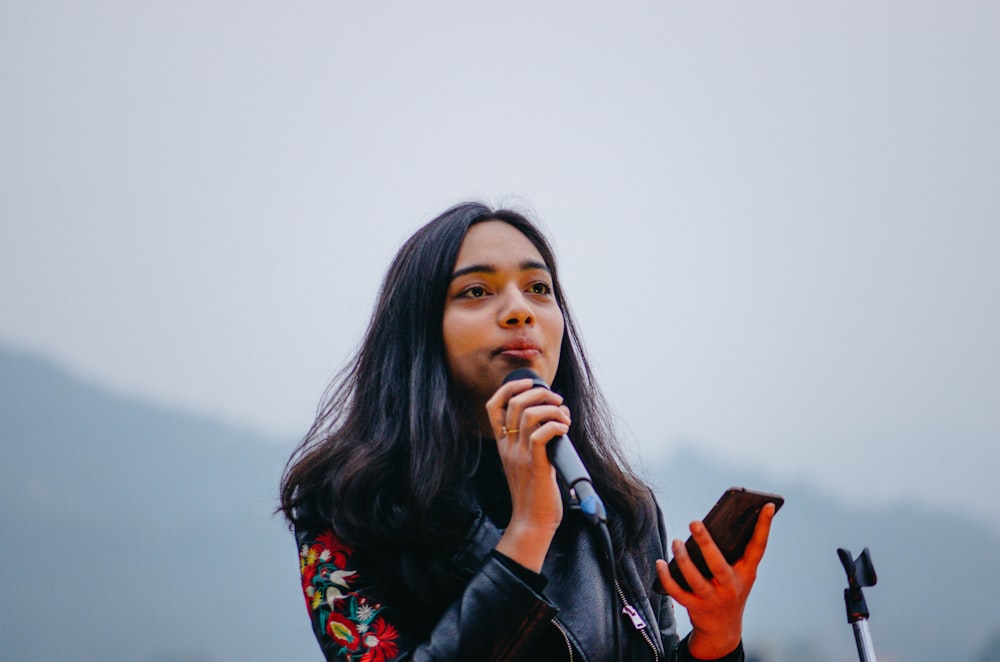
(860, 573)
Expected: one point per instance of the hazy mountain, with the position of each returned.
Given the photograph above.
(131, 532)
(135, 533)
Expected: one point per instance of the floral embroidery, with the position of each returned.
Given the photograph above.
(381, 642)
(344, 631)
(348, 618)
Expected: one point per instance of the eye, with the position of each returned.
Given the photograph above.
(540, 288)
(473, 292)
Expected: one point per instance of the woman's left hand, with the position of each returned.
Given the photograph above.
(715, 605)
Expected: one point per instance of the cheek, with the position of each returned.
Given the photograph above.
(459, 337)
(554, 340)
(558, 326)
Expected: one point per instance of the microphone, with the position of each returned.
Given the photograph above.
(567, 462)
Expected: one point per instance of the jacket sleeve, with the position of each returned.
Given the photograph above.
(495, 617)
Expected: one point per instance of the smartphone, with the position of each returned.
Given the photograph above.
(730, 522)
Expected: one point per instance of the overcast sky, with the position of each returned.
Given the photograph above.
(778, 223)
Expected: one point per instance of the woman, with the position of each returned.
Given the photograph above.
(430, 522)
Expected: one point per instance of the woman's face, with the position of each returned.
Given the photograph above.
(500, 312)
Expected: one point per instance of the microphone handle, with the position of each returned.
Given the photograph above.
(570, 468)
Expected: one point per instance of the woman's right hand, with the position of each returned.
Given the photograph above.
(525, 420)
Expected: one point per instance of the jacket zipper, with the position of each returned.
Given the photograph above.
(637, 622)
(569, 647)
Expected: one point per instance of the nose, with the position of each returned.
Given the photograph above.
(516, 309)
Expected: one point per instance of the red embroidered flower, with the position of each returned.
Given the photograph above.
(308, 572)
(332, 550)
(380, 639)
(344, 631)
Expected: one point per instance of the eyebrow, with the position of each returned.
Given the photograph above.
(526, 265)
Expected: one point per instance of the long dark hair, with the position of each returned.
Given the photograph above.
(388, 461)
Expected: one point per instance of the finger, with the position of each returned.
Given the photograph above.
(692, 575)
(509, 390)
(534, 416)
(714, 558)
(670, 586)
(496, 406)
(534, 396)
(514, 420)
(504, 406)
(761, 532)
(538, 441)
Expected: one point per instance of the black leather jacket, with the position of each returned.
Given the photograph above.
(504, 611)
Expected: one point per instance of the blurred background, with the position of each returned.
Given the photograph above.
(778, 225)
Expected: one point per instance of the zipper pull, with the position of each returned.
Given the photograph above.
(636, 618)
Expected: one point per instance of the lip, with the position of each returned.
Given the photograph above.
(520, 349)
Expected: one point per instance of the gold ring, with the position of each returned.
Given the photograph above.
(511, 431)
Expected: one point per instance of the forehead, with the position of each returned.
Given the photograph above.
(496, 243)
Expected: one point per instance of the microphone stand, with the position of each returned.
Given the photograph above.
(860, 573)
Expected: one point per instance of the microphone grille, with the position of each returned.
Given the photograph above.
(525, 373)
